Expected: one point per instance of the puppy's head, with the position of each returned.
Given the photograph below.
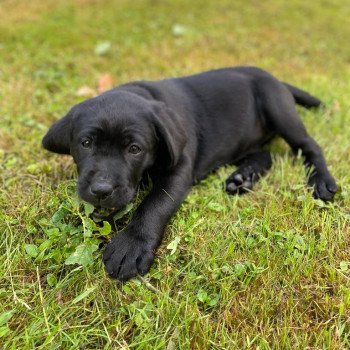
(114, 138)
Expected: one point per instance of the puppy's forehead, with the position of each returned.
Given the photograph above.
(113, 109)
(113, 115)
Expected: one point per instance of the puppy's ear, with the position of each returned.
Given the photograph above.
(57, 138)
(171, 132)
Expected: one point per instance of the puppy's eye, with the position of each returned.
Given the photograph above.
(86, 143)
(134, 149)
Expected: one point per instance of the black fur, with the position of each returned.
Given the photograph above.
(177, 131)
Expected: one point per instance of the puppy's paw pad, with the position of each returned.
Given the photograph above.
(241, 181)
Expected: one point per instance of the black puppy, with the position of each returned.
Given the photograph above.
(176, 131)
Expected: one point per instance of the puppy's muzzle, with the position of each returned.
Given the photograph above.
(101, 190)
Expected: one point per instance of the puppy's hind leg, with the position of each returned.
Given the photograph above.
(281, 115)
(250, 169)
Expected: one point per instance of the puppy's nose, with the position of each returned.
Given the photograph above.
(101, 189)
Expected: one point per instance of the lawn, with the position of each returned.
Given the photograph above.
(267, 270)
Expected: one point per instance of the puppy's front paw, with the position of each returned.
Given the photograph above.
(324, 186)
(127, 256)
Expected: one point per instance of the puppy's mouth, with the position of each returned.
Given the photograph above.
(109, 210)
(104, 213)
(111, 213)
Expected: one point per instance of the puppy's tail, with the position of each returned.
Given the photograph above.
(303, 98)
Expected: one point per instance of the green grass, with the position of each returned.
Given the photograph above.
(268, 270)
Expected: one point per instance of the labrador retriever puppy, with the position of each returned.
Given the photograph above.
(176, 131)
